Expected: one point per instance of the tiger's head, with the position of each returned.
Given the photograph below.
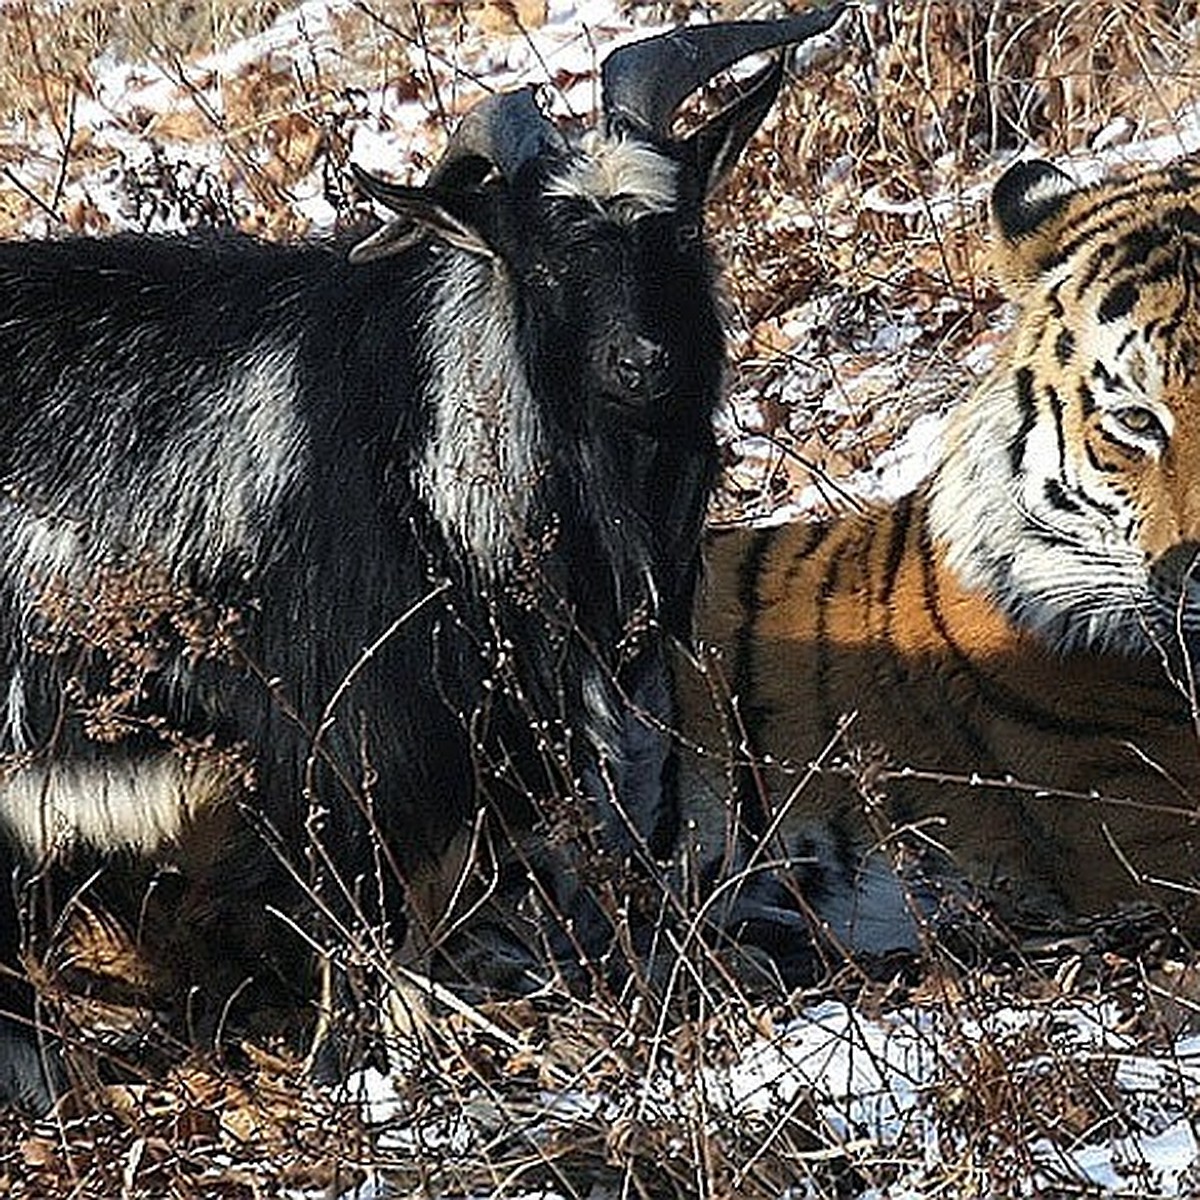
(1069, 490)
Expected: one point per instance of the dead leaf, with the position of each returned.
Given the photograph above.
(182, 125)
(39, 1152)
(510, 16)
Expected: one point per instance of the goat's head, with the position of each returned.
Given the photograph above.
(600, 238)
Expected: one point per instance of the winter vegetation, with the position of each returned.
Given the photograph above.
(853, 241)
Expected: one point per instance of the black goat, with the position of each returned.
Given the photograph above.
(310, 553)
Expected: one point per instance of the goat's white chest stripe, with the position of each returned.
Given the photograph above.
(481, 458)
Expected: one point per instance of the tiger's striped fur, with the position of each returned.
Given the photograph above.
(1021, 631)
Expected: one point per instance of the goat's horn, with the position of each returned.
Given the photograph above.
(501, 131)
(644, 83)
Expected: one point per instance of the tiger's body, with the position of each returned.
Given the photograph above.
(1004, 662)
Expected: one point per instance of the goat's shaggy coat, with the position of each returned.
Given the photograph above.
(306, 557)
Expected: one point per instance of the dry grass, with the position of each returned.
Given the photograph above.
(593, 1099)
(828, 216)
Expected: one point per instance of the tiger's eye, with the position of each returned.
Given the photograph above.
(1141, 421)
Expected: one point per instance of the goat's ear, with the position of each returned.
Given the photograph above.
(451, 215)
(715, 146)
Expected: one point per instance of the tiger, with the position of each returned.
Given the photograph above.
(997, 672)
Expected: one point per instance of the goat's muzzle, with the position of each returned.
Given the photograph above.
(631, 370)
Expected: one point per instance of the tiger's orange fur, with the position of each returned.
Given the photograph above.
(1023, 632)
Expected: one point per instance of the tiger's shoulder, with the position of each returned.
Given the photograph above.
(1027, 617)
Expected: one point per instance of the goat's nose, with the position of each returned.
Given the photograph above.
(638, 363)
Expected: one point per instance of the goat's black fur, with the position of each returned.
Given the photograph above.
(483, 453)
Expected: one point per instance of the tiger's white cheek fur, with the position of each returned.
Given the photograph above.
(1067, 571)
(1096, 517)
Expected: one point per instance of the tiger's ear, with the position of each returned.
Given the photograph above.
(1029, 206)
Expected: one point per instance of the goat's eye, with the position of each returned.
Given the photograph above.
(686, 236)
(544, 275)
